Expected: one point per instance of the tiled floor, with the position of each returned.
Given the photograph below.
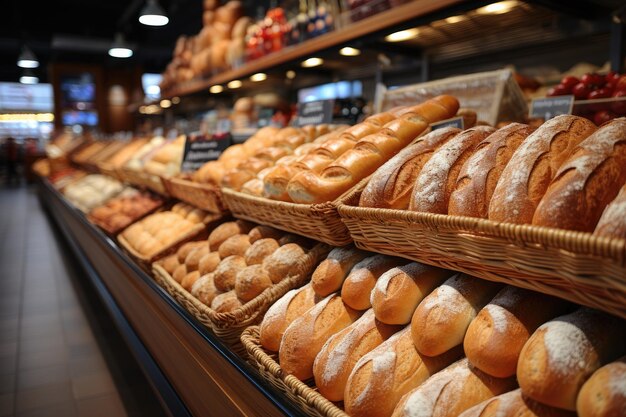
(59, 355)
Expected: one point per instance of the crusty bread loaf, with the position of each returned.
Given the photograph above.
(381, 377)
(480, 173)
(251, 281)
(226, 230)
(612, 223)
(532, 167)
(260, 250)
(495, 338)
(563, 353)
(437, 179)
(452, 391)
(514, 404)
(204, 289)
(329, 275)
(604, 394)
(441, 320)
(587, 181)
(392, 184)
(305, 336)
(399, 290)
(283, 262)
(341, 352)
(264, 232)
(226, 272)
(208, 263)
(284, 311)
(357, 288)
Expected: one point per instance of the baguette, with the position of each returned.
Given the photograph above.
(514, 404)
(588, 181)
(329, 275)
(534, 164)
(612, 223)
(604, 394)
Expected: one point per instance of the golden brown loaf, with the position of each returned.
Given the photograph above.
(357, 288)
(612, 223)
(495, 338)
(204, 289)
(381, 377)
(226, 230)
(437, 179)
(264, 232)
(189, 279)
(514, 404)
(532, 167)
(170, 263)
(208, 263)
(226, 272)
(186, 249)
(225, 302)
(234, 245)
(251, 281)
(283, 262)
(341, 352)
(179, 273)
(306, 335)
(392, 184)
(399, 290)
(481, 172)
(193, 259)
(332, 271)
(260, 250)
(604, 394)
(587, 181)
(563, 353)
(442, 318)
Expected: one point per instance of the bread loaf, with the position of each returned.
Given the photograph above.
(360, 282)
(226, 230)
(234, 245)
(204, 289)
(226, 272)
(495, 338)
(306, 335)
(532, 167)
(480, 173)
(208, 263)
(563, 353)
(283, 262)
(260, 250)
(264, 232)
(193, 259)
(170, 263)
(329, 275)
(514, 404)
(437, 179)
(587, 181)
(441, 320)
(189, 279)
(341, 352)
(604, 394)
(381, 377)
(282, 313)
(251, 281)
(392, 184)
(612, 223)
(399, 290)
(179, 273)
(452, 391)
(186, 248)
(225, 302)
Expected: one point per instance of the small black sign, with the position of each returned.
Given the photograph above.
(315, 112)
(201, 148)
(549, 107)
(454, 122)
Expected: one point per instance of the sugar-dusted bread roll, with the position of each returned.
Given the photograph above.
(208, 263)
(284, 311)
(305, 336)
(341, 352)
(481, 172)
(226, 230)
(532, 167)
(392, 184)
(563, 353)
(189, 280)
(283, 262)
(452, 391)
(399, 290)
(438, 177)
(329, 275)
(226, 272)
(495, 338)
(204, 289)
(612, 223)
(234, 245)
(441, 320)
(193, 259)
(264, 232)
(260, 250)
(604, 394)
(251, 281)
(381, 377)
(587, 181)
(514, 404)
(357, 288)
(225, 302)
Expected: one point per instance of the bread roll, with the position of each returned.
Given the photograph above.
(452, 391)
(306, 335)
(495, 338)
(441, 320)
(180, 273)
(604, 394)
(226, 230)
(226, 272)
(260, 250)
(234, 245)
(189, 280)
(225, 302)
(563, 353)
(381, 377)
(587, 181)
(208, 263)
(399, 290)
(392, 184)
(514, 404)
(264, 232)
(170, 263)
(283, 262)
(437, 179)
(204, 289)
(341, 352)
(251, 281)
(193, 259)
(332, 271)
(532, 167)
(282, 313)
(186, 248)
(612, 223)
(480, 173)
(360, 282)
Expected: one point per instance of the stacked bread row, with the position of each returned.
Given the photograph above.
(92, 191)
(119, 212)
(565, 174)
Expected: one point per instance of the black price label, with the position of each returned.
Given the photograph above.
(454, 122)
(315, 112)
(201, 148)
(549, 107)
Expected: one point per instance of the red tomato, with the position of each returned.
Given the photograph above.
(581, 90)
(603, 116)
(612, 76)
(569, 81)
(593, 79)
(599, 93)
(619, 107)
(621, 83)
(610, 85)
(559, 90)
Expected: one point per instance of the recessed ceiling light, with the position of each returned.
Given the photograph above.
(497, 8)
(27, 58)
(312, 62)
(215, 89)
(259, 76)
(348, 51)
(153, 15)
(165, 104)
(234, 84)
(290, 74)
(402, 35)
(455, 19)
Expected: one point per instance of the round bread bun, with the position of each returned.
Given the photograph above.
(193, 259)
(189, 280)
(262, 232)
(209, 262)
(170, 264)
(204, 289)
(234, 245)
(226, 272)
(251, 281)
(225, 302)
(283, 261)
(260, 250)
(185, 249)
(180, 273)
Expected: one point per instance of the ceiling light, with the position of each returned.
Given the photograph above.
(348, 51)
(259, 76)
(455, 19)
(165, 104)
(290, 74)
(175, 100)
(28, 77)
(216, 89)
(234, 84)
(153, 15)
(27, 58)
(403, 35)
(497, 8)
(120, 49)
(312, 62)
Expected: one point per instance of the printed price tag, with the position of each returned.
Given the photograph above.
(315, 112)
(454, 122)
(549, 107)
(201, 148)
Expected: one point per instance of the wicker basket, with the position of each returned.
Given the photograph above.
(311, 402)
(228, 326)
(113, 231)
(576, 266)
(143, 180)
(109, 169)
(205, 196)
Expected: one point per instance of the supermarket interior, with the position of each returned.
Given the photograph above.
(325, 208)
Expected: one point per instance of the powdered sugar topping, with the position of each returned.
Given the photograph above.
(280, 306)
(565, 344)
(448, 295)
(499, 317)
